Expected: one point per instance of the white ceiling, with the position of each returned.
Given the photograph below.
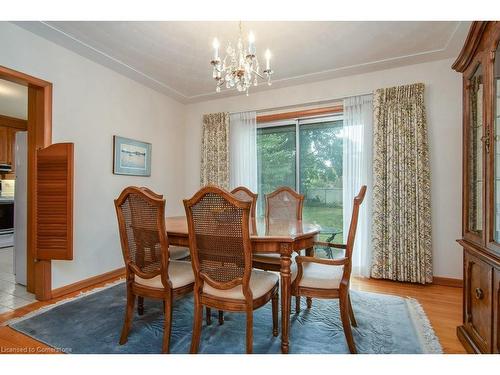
(174, 57)
(13, 100)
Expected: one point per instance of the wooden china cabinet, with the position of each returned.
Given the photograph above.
(479, 62)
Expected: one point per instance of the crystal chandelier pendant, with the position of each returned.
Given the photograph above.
(240, 67)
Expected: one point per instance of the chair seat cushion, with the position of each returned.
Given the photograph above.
(261, 282)
(177, 252)
(271, 258)
(179, 272)
(320, 276)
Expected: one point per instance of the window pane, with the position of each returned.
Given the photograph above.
(321, 148)
(275, 160)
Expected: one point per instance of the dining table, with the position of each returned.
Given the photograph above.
(271, 236)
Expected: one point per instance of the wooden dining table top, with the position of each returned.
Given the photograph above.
(267, 230)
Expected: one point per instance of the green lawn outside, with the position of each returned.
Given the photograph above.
(326, 217)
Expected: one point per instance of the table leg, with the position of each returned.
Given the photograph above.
(285, 274)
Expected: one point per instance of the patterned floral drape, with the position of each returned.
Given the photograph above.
(401, 226)
(215, 150)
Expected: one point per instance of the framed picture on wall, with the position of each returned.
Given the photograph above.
(131, 157)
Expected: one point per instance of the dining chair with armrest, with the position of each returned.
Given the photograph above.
(330, 278)
(221, 255)
(149, 271)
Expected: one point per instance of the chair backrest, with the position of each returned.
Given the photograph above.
(284, 203)
(151, 192)
(141, 221)
(219, 239)
(354, 221)
(245, 194)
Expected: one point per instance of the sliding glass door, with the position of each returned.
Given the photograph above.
(276, 160)
(320, 166)
(305, 154)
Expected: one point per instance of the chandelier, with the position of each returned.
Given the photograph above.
(240, 67)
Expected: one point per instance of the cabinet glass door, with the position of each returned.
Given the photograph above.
(475, 173)
(496, 146)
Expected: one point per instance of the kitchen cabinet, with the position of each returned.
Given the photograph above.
(7, 146)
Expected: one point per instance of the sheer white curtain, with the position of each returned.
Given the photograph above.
(243, 150)
(357, 171)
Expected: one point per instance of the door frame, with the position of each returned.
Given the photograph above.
(39, 273)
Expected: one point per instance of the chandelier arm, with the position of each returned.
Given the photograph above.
(258, 74)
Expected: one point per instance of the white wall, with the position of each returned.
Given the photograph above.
(90, 104)
(444, 107)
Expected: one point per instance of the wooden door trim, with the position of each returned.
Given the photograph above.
(39, 126)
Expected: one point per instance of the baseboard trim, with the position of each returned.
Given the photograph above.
(446, 281)
(91, 281)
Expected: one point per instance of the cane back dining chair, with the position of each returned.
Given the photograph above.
(175, 252)
(221, 255)
(244, 194)
(282, 204)
(330, 278)
(149, 271)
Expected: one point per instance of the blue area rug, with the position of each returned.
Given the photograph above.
(92, 324)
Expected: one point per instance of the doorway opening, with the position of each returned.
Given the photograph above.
(13, 196)
(36, 134)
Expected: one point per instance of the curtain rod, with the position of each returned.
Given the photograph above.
(319, 102)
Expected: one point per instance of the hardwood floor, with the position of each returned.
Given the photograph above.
(442, 304)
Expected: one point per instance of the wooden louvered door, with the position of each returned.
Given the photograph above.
(54, 202)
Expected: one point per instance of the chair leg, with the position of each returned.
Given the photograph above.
(297, 304)
(167, 326)
(346, 324)
(249, 331)
(221, 317)
(309, 301)
(309, 253)
(351, 312)
(208, 315)
(140, 305)
(129, 315)
(197, 321)
(274, 305)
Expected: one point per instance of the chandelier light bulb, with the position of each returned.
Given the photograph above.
(216, 46)
(267, 55)
(251, 43)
